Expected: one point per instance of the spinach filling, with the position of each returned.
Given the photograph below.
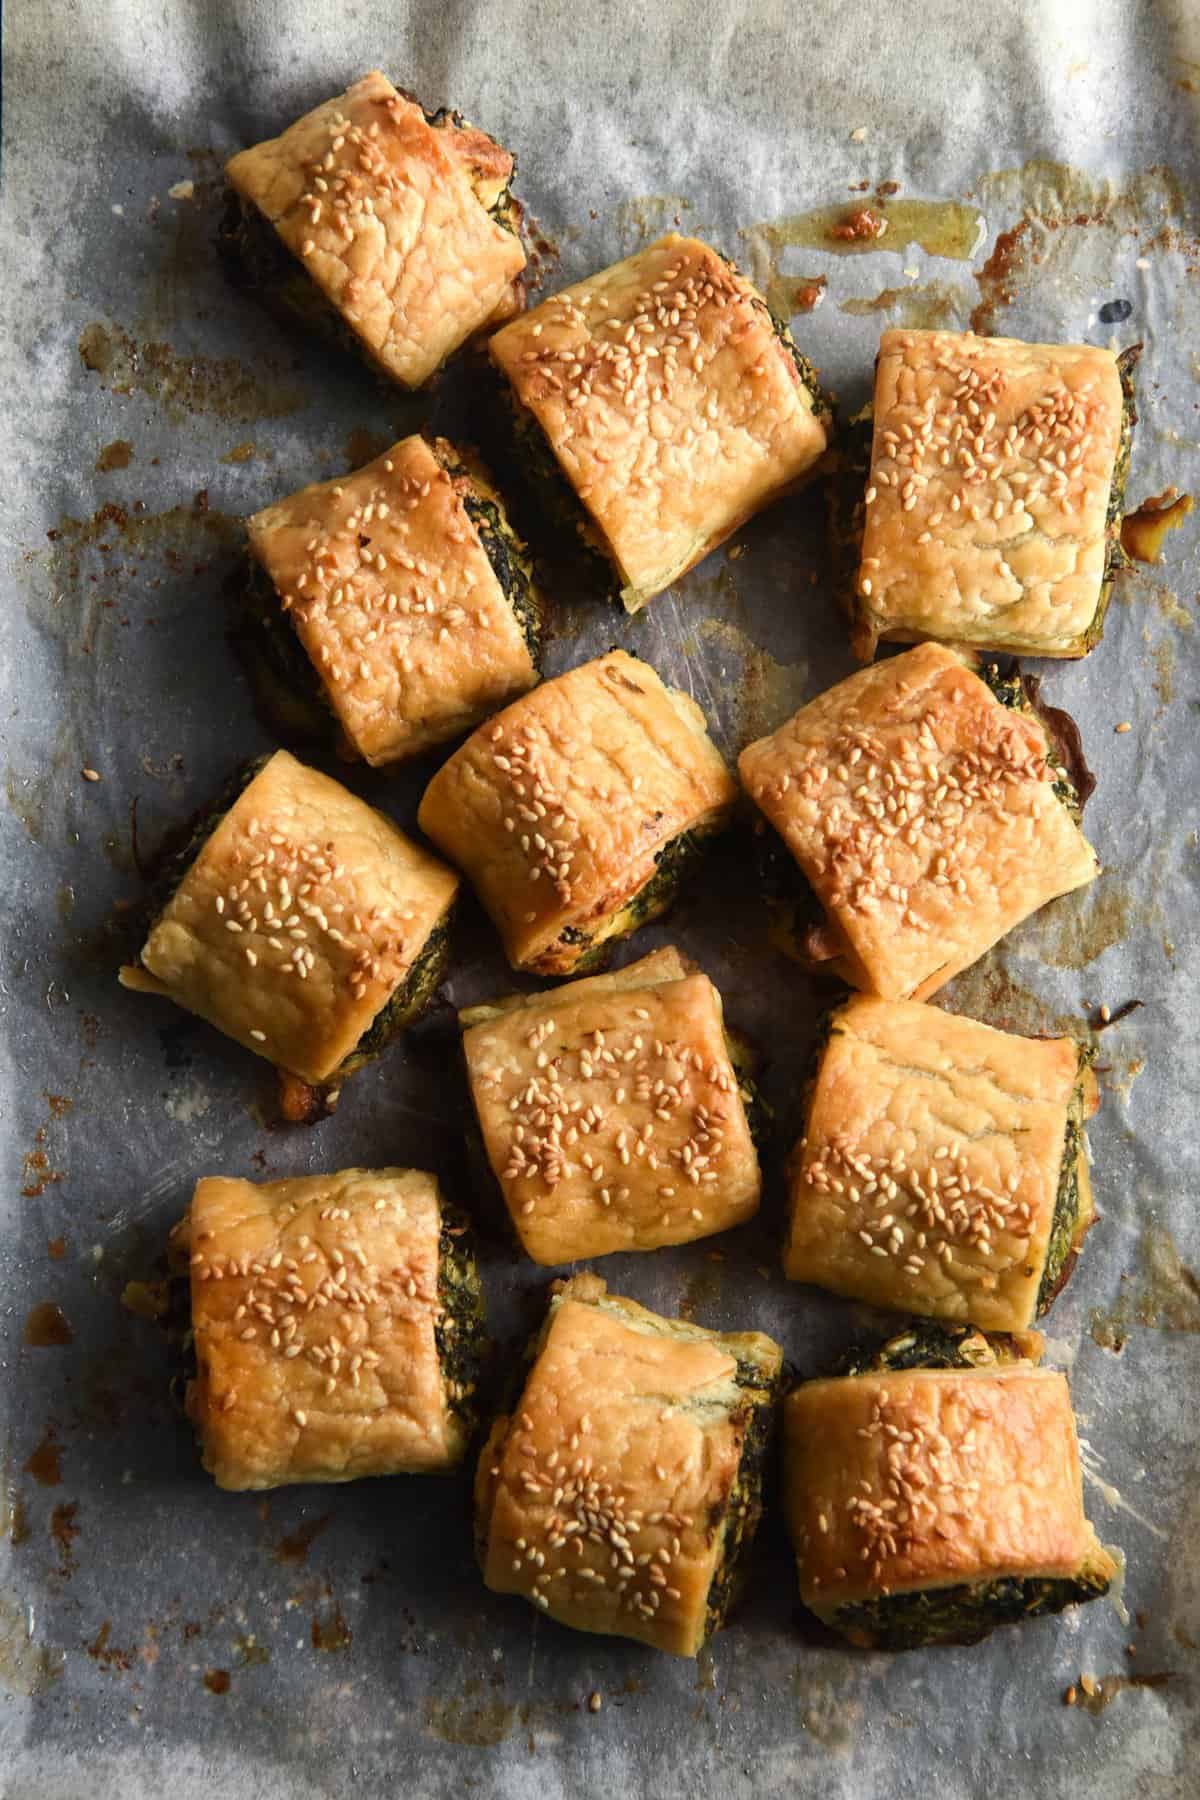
(792, 905)
(674, 864)
(1064, 1231)
(968, 1611)
(1115, 558)
(738, 1518)
(286, 685)
(406, 1002)
(963, 1614)
(179, 855)
(561, 509)
(507, 553)
(809, 379)
(460, 1333)
(1013, 690)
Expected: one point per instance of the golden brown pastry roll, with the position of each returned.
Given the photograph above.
(338, 1327)
(612, 1112)
(302, 923)
(936, 1493)
(622, 1494)
(409, 592)
(401, 219)
(943, 1168)
(927, 814)
(579, 809)
(993, 509)
(668, 400)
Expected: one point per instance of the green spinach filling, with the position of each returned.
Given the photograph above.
(674, 864)
(1064, 1230)
(461, 1329)
(742, 1510)
(189, 842)
(406, 1002)
(1010, 690)
(1115, 558)
(561, 509)
(508, 556)
(968, 1611)
(285, 682)
(809, 379)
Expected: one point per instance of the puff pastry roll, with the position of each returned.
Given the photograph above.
(622, 1493)
(943, 1168)
(338, 1327)
(302, 923)
(927, 814)
(936, 1493)
(409, 593)
(577, 811)
(993, 509)
(664, 405)
(612, 1111)
(397, 223)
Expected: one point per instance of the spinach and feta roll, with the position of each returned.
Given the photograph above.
(936, 1492)
(612, 1111)
(943, 1168)
(578, 810)
(337, 1326)
(622, 1492)
(301, 923)
(409, 594)
(382, 225)
(994, 502)
(663, 406)
(925, 812)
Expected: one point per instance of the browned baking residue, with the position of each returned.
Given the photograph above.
(217, 1681)
(854, 226)
(331, 1632)
(928, 306)
(294, 1548)
(250, 1652)
(59, 1104)
(646, 216)
(1105, 1688)
(1143, 531)
(110, 1656)
(117, 455)
(1168, 1300)
(186, 385)
(1053, 200)
(240, 453)
(64, 1529)
(47, 1327)
(45, 1462)
(479, 1724)
(987, 991)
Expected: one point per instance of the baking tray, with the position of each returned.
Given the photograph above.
(154, 1632)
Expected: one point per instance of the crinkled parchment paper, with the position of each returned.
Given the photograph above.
(148, 408)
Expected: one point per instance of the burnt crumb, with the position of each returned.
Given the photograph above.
(1115, 312)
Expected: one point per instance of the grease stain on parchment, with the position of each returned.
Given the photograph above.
(646, 216)
(185, 386)
(989, 992)
(26, 1667)
(1135, 588)
(1081, 926)
(924, 306)
(1054, 203)
(477, 1723)
(765, 691)
(1167, 1299)
(939, 227)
